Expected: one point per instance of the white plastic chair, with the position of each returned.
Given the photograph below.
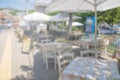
(105, 44)
(87, 52)
(67, 50)
(50, 53)
(43, 46)
(91, 48)
(45, 41)
(63, 60)
(84, 49)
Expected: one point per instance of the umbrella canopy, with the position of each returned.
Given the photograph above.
(37, 17)
(63, 17)
(82, 5)
(78, 5)
(22, 23)
(77, 24)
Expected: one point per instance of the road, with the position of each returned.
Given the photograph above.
(13, 64)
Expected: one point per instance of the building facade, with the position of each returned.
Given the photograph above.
(40, 5)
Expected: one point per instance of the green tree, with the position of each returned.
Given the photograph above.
(31, 11)
(111, 16)
(14, 12)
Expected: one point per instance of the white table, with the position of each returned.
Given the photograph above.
(58, 47)
(87, 40)
(84, 67)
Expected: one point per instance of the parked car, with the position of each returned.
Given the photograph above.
(118, 32)
(3, 27)
(106, 31)
(104, 26)
(8, 24)
(117, 29)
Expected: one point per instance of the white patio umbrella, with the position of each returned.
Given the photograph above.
(63, 17)
(83, 5)
(78, 5)
(37, 17)
(77, 24)
(22, 23)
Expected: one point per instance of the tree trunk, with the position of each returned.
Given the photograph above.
(70, 23)
(119, 65)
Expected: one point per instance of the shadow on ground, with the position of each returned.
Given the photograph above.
(40, 71)
(29, 73)
(21, 77)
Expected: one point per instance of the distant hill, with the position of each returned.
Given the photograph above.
(13, 11)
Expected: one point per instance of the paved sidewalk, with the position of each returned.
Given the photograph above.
(20, 61)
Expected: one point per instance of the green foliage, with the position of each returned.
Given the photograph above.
(110, 16)
(53, 13)
(84, 15)
(83, 20)
(14, 12)
(1, 9)
(31, 11)
(75, 28)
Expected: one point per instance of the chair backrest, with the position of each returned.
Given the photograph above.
(63, 60)
(45, 41)
(66, 48)
(43, 48)
(97, 43)
(48, 47)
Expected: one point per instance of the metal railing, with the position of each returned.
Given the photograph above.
(114, 44)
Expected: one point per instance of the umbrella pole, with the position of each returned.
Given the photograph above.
(95, 36)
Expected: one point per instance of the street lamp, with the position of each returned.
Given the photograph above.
(27, 6)
(27, 1)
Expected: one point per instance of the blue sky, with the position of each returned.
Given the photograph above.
(17, 4)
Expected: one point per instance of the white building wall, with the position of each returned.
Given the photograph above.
(41, 5)
(40, 8)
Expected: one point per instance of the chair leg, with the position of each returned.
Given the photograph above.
(105, 51)
(43, 57)
(80, 54)
(46, 63)
(55, 62)
(96, 54)
(93, 54)
(72, 56)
